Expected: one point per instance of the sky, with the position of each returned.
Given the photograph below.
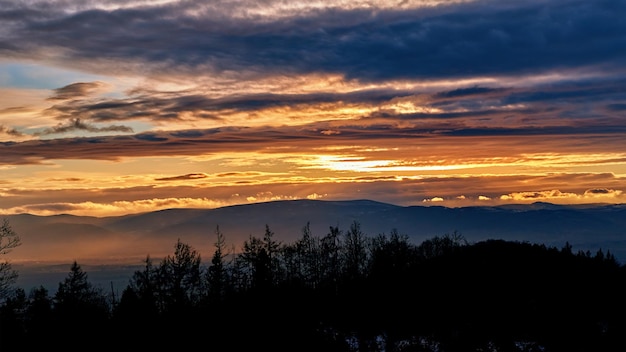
(117, 107)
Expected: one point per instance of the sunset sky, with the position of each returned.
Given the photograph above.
(115, 107)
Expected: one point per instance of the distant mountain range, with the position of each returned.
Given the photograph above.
(91, 239)
(110, 249)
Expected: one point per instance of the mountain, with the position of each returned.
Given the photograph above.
(589, 227)
(127, 240)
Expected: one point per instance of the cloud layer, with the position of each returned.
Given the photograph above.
(412, 102)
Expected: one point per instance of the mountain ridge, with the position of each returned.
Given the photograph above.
(592, 226)
(112, 248)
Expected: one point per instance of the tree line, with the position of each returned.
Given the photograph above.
(343, 291)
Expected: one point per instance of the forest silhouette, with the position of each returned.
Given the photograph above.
(343, 291)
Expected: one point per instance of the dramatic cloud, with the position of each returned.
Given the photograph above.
(431, 102)
(366, 43)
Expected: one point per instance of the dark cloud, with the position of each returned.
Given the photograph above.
(194, 176)
(308, 138)
(617, 107)
(238, 174)
(167, 106)
(476, 39)
(150, 137)
(67, 179)
(10, 131)
(529, 131)
(574, 39)
(188, 134)
(463, 92)
(599, 191)
(75, 90)
(77, 125)
(565, 100)
(154, 143)
(588, 91)
(457, 40)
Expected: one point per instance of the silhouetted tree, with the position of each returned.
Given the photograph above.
(180, 278)
(77, 291)
(39, 318)
(355, 252)
(216, 274)
(292, 265)
(341, 292)
(440, 245)
(306, 258)
(330, 259)
(12, 324)
(271, 247)
(81, 308)
(392, 256)
(567, 249)
(144, 285)
(9, 240)
(259, 260)
(252, 264)
(139, 301)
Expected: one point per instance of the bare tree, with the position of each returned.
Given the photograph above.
(9, 239)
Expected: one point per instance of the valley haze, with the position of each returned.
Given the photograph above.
(110, 249)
